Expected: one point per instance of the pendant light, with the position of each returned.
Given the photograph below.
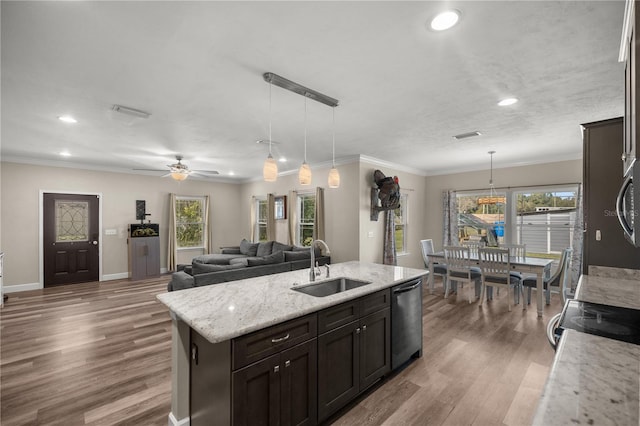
(304, 174)
(334, 175)
(270, 168)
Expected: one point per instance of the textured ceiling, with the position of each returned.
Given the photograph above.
(404, 91)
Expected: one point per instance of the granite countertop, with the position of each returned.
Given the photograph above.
(594, 380)
(221, 312)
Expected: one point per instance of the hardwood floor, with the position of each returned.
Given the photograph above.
(99, 354)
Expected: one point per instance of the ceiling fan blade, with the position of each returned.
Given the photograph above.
(151, 170)
(207, 172)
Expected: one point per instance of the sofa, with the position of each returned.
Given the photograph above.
(247, 260)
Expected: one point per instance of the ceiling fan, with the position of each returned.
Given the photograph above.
(180, 171)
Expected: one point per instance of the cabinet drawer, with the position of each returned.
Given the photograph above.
(337, 316)
(260, 344)
(376, 301)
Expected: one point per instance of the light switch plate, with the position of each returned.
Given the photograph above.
(110, 232)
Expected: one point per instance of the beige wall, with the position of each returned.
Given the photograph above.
(541, 174)
(21, 185)
(372, 232)
(341, 209)
(347, 208)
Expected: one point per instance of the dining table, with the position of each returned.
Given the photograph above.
(537, 266)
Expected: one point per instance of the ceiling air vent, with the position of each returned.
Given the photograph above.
(467, 135)
(130, 111)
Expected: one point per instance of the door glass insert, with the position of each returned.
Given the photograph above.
(72, 221)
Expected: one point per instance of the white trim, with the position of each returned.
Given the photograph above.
(182, 422)
(41, 230)
(119, 276)
(387, 164)
(21, 287)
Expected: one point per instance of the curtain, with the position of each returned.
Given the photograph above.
(172, 250)
(389, 255)
(319, 228)
(450, 215)
(252, 219)
(271, 217)
(208, 237)
(578, 238)
(293, 216)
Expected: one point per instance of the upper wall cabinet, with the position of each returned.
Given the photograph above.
(628, 54)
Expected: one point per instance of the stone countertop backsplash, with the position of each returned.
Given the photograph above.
(594, 380)
(223, 311)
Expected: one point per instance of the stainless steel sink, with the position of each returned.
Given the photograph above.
(331, 286)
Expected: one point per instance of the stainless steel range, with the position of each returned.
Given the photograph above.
(613, 322)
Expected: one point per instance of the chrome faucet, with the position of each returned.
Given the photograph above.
(312, 271)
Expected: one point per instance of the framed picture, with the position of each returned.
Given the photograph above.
(280, 207)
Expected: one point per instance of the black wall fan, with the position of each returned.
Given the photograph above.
(180, 171)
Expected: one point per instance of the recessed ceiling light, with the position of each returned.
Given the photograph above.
(67, 119)
(65, 154)
(445, 20)
(282, 160)
(507, 101)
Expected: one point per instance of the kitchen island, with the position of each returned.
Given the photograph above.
(217, 317)
(594, 380)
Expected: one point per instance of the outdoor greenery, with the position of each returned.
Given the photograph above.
(262, 220)
(189, 222)
(307, 218)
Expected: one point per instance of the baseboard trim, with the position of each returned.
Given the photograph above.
(111, 277)
(21, 287)
(183, 422)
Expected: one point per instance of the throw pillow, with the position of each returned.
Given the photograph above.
(280, 247)
(248, 248)
(267, 260)
(203, 268)
(264, 248)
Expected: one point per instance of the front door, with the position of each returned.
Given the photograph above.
(70, 233)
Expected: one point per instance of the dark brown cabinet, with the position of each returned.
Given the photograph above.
(604, 242)
(279, 390)
(352, 356)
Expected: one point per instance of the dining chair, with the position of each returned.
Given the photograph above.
(474, 246)
(459, 269)
(558, 282)
(516, 251)
(495, 265)
(438, 268)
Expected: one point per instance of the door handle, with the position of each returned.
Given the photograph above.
(95, 243)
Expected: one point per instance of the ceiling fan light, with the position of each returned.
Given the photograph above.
(270, 169)
(179, 175)
(334, 178)
(304, 174)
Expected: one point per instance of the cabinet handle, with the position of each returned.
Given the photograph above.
(194, 353)
(280, 339)
(276, 368)
(287, 363)
(364, 328)
(358, 330)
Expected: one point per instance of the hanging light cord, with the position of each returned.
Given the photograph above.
(305, 127)
(270, 85)
(333, 147)
(491, 189)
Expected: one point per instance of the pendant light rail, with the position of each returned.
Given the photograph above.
(294, 87)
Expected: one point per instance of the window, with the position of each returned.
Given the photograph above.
(261, 220)
(190, 226)
(542, 218)
(400, 222)
(306, 218)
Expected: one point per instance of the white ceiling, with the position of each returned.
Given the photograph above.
(404, 91)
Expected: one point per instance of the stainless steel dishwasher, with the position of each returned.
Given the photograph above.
(406, 322)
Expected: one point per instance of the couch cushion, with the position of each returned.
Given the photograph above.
(240, 274)
(316, 250)
(215, 259)
(290, 256)
(277, 257)
(264, 248)
(202, 268)
(180, 280)
(240, 261)
(248, 248)
(280, 247)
